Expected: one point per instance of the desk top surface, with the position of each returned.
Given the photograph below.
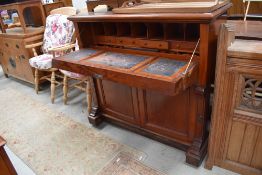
(165, 6)
(150, 17)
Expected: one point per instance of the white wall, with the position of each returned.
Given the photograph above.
(79, 4)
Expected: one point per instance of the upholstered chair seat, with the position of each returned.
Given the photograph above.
(72, 74)
(43, 61)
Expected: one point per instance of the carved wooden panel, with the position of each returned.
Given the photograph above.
(252, 94)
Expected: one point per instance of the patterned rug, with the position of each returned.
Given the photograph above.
(52, 144)
(125, 164)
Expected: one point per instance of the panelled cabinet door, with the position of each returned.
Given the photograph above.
(244, 134)
(168, 115)
(19, 53)
(24, 56)
(15, 59)
(136, 70)
(9, 59)
(245, 143)
(121, 102)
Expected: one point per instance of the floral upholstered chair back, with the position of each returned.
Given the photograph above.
(58, 32)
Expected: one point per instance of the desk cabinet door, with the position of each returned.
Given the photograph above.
(118, 100)
(168, 115)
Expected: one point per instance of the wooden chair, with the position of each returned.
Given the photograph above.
(64, 11)
(52, 48)
(81, 82)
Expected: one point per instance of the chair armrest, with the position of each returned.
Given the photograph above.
(30, 46)
(62, 48)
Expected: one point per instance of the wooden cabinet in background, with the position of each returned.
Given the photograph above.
(56, 4)
(6, 167)
(91, 4)
(238, 8)
(30, 13)
(236, 129)
(14, 57)
(51, 6)
(68, 2)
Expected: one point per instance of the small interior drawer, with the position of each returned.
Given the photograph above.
(137, 70)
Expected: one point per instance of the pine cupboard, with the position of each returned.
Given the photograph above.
(14, 57)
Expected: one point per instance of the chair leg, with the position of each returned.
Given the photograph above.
(65, 89)
(53, 87)
(89, 96)
(36, 81)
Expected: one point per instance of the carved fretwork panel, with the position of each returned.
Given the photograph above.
(251, 97)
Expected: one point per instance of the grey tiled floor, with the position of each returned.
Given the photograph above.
(159, 156)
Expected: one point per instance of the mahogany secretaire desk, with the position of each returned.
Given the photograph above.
(142, 79)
